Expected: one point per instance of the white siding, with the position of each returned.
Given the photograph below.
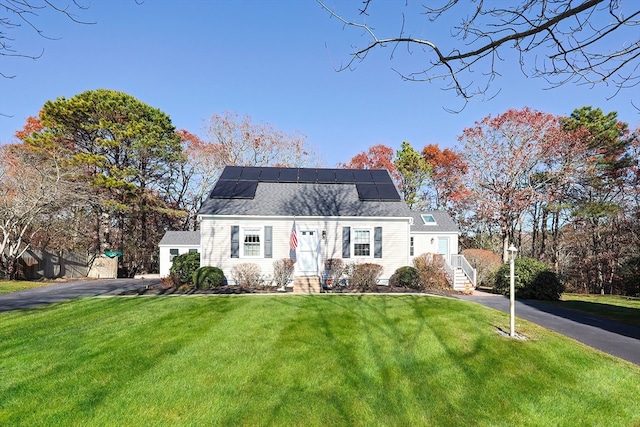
(216, 241)
(422, 242)
(165, 256)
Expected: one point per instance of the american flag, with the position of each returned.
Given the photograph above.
(293, 239)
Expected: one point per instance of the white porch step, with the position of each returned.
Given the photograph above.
(461, 282)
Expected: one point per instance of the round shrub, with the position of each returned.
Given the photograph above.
(534, 280)
(183, 266)
(208, 277)
(405, 277)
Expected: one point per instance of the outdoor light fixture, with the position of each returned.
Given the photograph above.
(512, 290)
(432, 240)
(324, 234)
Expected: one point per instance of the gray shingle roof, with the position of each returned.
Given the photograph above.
(181, 238)
(304, 199)
(444, 223)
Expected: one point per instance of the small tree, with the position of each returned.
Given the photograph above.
(185, 265)
(485, 262)
(283, 271)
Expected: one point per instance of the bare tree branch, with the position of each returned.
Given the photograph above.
(15, 14)
(591, 42)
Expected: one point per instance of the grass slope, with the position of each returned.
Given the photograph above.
(614, 307)
(8, 286)
(300, 360)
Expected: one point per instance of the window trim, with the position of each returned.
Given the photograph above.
(260, 245)
(433, 222)
(353, 242)
(172, 255)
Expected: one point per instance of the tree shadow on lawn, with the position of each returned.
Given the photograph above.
(583, 312)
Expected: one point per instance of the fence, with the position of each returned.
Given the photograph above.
(47, 265)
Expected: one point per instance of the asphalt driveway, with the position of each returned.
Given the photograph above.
(70, 290)
(615, 338)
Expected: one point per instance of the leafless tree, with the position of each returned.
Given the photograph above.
(17, 14)
(585, 42)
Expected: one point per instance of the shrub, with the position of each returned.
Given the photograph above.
(534, 280)
(486, 263)
(364, 277)
(283, 271)
(248, 275)
(430, 269)
(335, 269)
(208, 277)
(185, 265)
(405, 277)
(171, 281)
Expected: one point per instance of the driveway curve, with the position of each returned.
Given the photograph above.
(608, 336)
(70, 290)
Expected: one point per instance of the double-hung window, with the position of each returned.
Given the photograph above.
(251, 242)
(362, 242)
(172, 254)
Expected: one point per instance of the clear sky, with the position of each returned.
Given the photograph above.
(272, 60)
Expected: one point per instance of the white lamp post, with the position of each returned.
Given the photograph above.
(512, 290)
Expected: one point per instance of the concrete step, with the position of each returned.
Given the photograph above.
(306, 285)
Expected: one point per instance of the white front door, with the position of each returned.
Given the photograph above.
(307, 256)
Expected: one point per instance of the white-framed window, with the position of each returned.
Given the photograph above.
(193, 251)
(362, 241)
(251, 242)
(173, 253)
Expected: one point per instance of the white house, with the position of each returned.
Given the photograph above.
(176, 243)
(356, 215)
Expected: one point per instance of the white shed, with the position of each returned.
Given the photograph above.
(176, 243)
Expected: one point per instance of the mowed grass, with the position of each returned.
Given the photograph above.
(8, 286)
(614, 307)
(300, 360)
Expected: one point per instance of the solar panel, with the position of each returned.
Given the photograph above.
(307, 176)
(326, 176)
(288, 175)
(388, 192)
(363, 176)
(250, 174)
(231, 172)
(367, 191)
(224, 189)
(245, 190)
(344, 176)
(269, 175)
(380, 176)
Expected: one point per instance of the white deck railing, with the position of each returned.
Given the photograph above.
(459, 261)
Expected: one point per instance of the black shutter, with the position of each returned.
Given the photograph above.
(268, 239)
(346, 242)
(377, 242)
(235, 241)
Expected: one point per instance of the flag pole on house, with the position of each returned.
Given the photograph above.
(293, 241)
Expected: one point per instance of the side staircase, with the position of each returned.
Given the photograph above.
(461, 275)
(306, 285)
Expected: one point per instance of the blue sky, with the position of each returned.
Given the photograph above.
(272, 60)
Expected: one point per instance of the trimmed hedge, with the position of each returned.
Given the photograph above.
(208, 277)
(406, 277)
(183, 266)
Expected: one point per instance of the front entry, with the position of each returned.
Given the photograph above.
(443, 248)
(307, 255)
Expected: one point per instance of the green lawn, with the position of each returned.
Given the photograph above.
(300, 360)
(8, 286)
(614, 307)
